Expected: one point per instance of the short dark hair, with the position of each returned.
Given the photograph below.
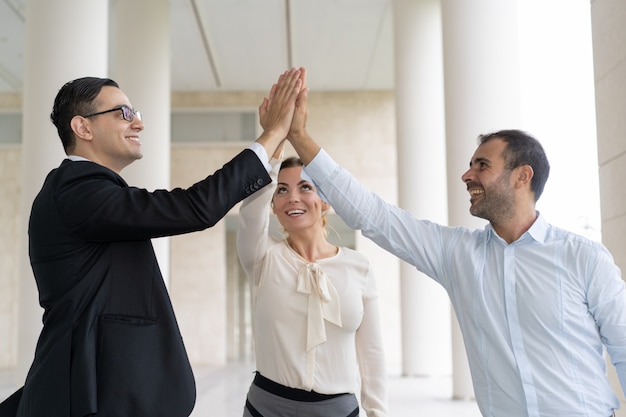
(523, 149)
(76, 98)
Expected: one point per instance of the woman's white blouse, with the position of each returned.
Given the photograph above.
(316, 324)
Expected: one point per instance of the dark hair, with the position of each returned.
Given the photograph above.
(523, 149)
(76, 98)
(292, 161)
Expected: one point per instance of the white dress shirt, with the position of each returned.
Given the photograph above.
(316, 324)
(534, 313)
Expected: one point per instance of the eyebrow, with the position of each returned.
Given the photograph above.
(299, 182)
(479, 159)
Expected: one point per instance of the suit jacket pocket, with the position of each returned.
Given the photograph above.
(143, 369)
(130, 320)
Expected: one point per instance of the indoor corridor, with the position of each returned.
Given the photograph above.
(221, 393)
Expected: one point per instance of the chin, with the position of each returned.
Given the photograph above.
(477, 213)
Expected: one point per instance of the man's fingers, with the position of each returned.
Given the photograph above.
(271, 96)
(287, 82)
(277, 112)
(303, 77)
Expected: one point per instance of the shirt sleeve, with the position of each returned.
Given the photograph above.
(371, 356)
(359, 208)
(421, 243)
(606, 300)
(253, 230)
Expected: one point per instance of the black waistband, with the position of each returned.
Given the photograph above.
(294, 394)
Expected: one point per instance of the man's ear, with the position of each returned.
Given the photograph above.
(81, 128)
(524, 176)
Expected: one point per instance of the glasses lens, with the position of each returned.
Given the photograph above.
(127, 113)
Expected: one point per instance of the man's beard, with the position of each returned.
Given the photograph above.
(497, 202)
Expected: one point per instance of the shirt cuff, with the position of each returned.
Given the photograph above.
(320, 167)
(319, 170)
(261, 153)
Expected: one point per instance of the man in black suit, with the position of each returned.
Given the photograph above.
(110, 345)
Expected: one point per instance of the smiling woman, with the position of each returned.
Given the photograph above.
(314, 307)
(297, 205)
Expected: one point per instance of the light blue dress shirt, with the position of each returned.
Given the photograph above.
(534, 314)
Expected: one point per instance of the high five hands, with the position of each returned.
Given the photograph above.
(277, 112)
(296, 133)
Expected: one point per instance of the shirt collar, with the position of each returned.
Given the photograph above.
(537, 231)
(76, 158)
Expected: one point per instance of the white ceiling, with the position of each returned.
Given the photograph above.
(242, 45)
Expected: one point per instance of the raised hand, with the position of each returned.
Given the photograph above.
(276, 112)
(298, 123)
(304, 144)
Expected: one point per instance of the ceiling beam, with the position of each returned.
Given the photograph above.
(205, 42)
(288, 22)
(19, 12)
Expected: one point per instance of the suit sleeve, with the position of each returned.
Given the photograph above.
(97, 205)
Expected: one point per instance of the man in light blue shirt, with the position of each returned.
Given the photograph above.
(535, 303)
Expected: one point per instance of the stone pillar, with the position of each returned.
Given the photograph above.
(482, 94)
(55, 52)
(609, 52)
(425, 307)
(140, 63)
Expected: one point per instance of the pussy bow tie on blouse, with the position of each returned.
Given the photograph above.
(323, 302)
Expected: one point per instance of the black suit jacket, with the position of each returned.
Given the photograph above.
(110, 344)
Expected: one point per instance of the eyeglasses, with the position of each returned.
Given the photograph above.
(127, 113)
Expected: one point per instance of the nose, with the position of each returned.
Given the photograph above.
(294, 197)
(137, 124)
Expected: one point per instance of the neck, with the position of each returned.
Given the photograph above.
(114, 165)
(310, 247)
(514, 228)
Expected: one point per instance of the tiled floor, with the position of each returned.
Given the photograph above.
(222, 391)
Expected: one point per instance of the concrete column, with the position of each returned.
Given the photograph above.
(64, 40)
(140, 63)
(609, 52)
(425, 308)
(482, 94)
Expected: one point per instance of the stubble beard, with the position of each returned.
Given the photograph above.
(497, 204)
